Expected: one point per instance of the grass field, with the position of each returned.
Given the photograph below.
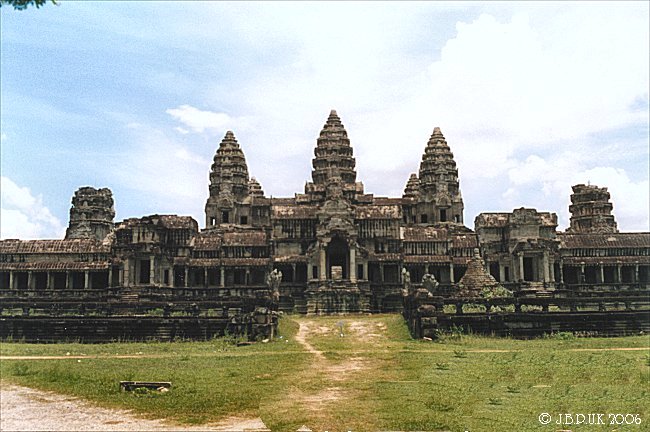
(374, 377)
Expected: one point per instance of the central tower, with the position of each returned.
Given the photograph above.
(434, 195)
(333, 158)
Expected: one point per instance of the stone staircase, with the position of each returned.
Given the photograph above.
(129, 296)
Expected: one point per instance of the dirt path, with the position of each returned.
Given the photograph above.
(26, 409)
(332, 372)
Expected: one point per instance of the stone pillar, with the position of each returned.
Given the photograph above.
(452, 277)
(152, 270)
(502, 274)
(86, 280)
(30, 280)
(426, 268)
(353, 264)
(618, 273)
(521, 266)
(67, 279)
(186, 281)
(583, 278)
(601, 273)
(636, 273)
(110, 276)
(381, 272)
(322, 265)
(11, 278)
(127, 273)
(545, 266)
(365, 270)
(561, 271)
(247, 278)
(222, 277)
(48, 281)
(551, 269)
(121, 277)
(205, 277)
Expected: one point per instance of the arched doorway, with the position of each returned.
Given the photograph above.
(337, 255)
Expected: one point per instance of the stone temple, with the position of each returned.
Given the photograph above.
(339, 248)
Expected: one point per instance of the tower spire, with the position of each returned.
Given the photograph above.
(228, 181)
(440, 196)
(333, 158)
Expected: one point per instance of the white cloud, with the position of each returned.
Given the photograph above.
(546, 185)
(520, 92)
(506, 86)
(198, 120)
(631, 199)
(172, 177)
(24, 216)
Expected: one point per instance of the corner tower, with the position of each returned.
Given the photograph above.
(591, 211)
(91, 214)
(333, 158)
(439, 198)
(229, 183)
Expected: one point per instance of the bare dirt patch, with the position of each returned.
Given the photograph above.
(26, 409)
(333, 371)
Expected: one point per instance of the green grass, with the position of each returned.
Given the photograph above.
(458, 383)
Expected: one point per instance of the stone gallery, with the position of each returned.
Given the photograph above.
(338, 248)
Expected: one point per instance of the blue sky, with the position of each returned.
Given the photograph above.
(136, 96)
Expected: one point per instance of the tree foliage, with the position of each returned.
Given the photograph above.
(24, 4)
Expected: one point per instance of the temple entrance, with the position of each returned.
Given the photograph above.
(337, 255)
(529, 274)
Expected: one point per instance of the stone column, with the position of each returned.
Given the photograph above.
(322, 264)
(11, 278)
(67, 279)
(365, 270)
(127, 273)
(583, 278)
(86, 280)
(521, 266)
(636, 273)
(353, 264)
(551, 269)
(49, 284)
(502, 274)
(222, 277)
(30, 280)
(452, 277)
(618, 273)
(545, 266)
(247, 278)
(381, 272)
(120, 277)
(602, 273)
(110, 276)
(186, 281)
(561, 271)
(152, 270)
(426, 268)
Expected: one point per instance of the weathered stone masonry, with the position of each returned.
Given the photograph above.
(339, 248)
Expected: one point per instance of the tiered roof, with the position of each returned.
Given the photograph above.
(476, 278)
(229, 168)
(333, 153)
(412, 189)
(591, 211)
(438, 166)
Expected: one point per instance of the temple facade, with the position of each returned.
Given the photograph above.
(339, 249)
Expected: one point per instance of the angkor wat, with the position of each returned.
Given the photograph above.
(338, 248)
